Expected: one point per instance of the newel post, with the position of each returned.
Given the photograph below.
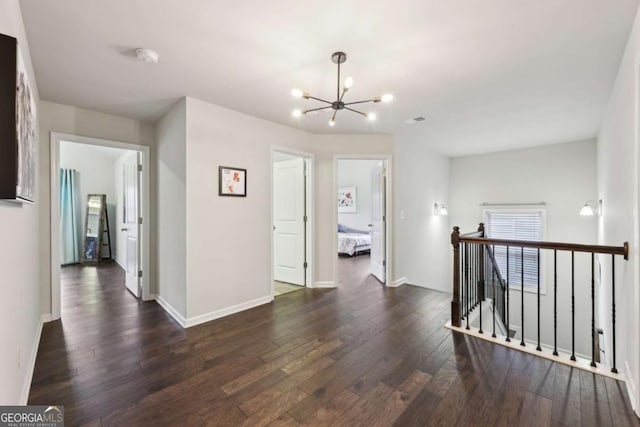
(455, 302)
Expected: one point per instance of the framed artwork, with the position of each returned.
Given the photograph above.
(232, 181)
(17, 126)
(347, 201)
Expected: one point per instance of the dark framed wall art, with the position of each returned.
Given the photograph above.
(232, 181)
(18, 137)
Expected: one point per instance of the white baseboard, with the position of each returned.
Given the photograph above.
(26, 387)
(172, 311)
(398, 282)
(203, 318)
(631, 388)
(120, 264)
(324, 284)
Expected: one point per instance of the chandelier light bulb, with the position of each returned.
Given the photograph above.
(348, 82)
(296, 113)
(387, 97)
(332, 122)
(371, 117)
(297, 93)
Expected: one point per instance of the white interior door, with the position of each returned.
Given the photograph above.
(131, 209)
(378, 220)
(289, 221)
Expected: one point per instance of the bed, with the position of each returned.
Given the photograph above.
(352, 242)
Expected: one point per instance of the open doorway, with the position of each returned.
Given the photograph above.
(99, 198)
(291, 203)
(362, 199)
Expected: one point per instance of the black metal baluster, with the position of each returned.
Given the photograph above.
(467, 284)
(463, 294)
(573, 308)
(522, 296)
(555, 302)
(613, 309)
(493, 290)
(480, 284)
(508, 278)
(474, 263)
(538, 274)
(593, 312)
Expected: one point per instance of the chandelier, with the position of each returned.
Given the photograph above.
(337, 105)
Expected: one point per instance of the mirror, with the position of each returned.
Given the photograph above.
(94, 228)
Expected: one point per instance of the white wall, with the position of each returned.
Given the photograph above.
(96, 174)
(227, 262)
(77, 121)
(563, 176)
(19, 260)
(171, 209)
(228, 238)
(357, 173)
(618, 165)
(422, 248)
(326, 149)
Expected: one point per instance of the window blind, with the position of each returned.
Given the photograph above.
(516, 225)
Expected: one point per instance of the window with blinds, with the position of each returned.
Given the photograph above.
(516, 225)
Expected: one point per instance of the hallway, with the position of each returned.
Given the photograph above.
(361, 354)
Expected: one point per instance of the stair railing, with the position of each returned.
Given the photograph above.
(475, 271)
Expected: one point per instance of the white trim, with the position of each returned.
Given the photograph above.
(324, 284)
(26, 387)
(580, 363)
(631, 388)
(145, 206)
(309, 159)
(171, 310)
(223, 312)
(398, 282)
(213, 315)
(388, 158)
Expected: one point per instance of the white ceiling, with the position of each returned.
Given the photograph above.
(488, 75)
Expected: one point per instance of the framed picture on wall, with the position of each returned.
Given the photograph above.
(232, 181)
(347, 200)
(17, 126)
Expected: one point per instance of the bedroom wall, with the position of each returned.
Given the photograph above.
(540, 174)
(20, 315)
(618, 186)
(79, 121)
(357, 173)
(95, 168)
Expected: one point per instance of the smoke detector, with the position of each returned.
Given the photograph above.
(147, 55)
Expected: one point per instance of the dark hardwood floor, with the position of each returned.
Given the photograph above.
(358, 355)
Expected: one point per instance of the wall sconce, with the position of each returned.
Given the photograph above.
(439, 209)
(591, 208)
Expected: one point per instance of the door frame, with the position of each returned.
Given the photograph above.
(145, 210)
(309, 159)
(388, 212)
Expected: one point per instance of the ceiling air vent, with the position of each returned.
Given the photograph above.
(414, 120)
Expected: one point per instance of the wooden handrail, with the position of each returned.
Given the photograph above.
(576, 247)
